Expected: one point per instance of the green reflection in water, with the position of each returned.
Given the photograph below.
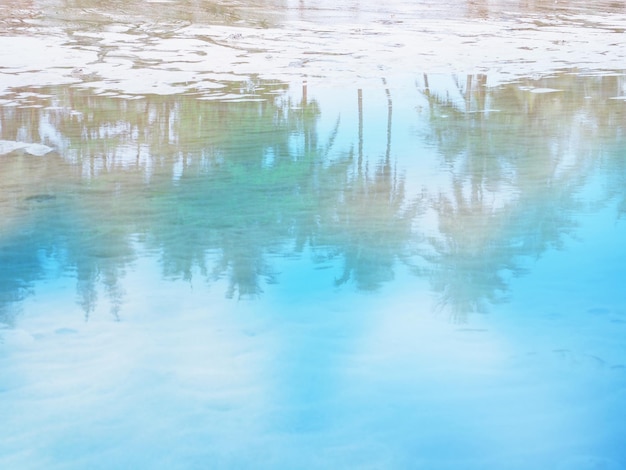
(190, 179)
(223, 188)
(518, 157)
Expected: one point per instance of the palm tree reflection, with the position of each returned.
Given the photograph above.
(371, 222)
(222, 188)
(514, 179)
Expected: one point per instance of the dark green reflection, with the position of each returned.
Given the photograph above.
(224, 188)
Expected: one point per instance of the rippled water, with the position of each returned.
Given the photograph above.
(289, 236)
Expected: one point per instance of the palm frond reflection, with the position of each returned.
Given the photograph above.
(219, 189)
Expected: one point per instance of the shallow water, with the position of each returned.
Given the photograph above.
(346, 261)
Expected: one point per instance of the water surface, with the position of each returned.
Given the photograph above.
(316, 265)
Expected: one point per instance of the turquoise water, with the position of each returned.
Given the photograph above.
(418, 273)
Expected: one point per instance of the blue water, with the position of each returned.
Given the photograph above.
(411, 275)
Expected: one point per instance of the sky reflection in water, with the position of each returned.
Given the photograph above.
(421, 274)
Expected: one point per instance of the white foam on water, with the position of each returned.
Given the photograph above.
(387, 42)
(37, 150)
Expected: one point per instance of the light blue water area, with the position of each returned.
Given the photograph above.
(420, 275)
